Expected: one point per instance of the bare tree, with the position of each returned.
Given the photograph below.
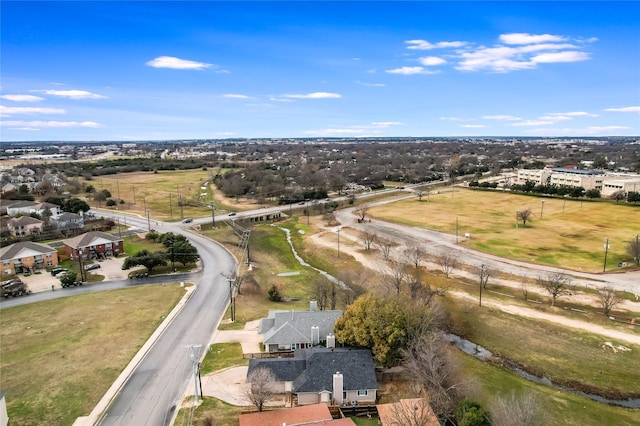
(368, 238)
(420, 193)
(517, 410)
(395, 275)
(261, 386)
(633, 249)
(385, 247)
(431, 367)
(411, 412)
(414, 254)
(525, 216)
(362, 213)
(619, 196)
(355, 284)
(525, 291)
(608, 299)
(447, 261)
(556, 284)
(484, 274)
(320, 292)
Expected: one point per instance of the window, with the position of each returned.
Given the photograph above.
(363, 392)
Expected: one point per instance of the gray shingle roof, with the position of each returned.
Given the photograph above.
(10, 252)
(312, 370)
(85, 240)
(295, 326)
(24, 220)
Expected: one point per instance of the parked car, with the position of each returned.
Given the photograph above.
(56, 271)
(232, 214)
(92, 266)
(187, 220)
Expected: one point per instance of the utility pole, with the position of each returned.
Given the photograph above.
(541, 208)
(133, 188)
(196, 371)
(170, 207)
(606, 250)
(118, 187)
(338, 243)
(484, 276)
(83, 276)
(213, 216)
(148, 222)
(456, 229)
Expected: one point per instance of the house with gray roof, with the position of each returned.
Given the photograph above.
(28, 207)
(67, 221)
(27, 256)
(290, 330)
(93, 245)
(332, 375)
(24, 226)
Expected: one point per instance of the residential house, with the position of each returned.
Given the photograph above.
(27, 257)
(331, 375)
(66, 221)
(93, 245)
(24, 226)
(4, 417)
(307, 414)
(290, 330)
(9, 187)
(407, 411)
(28, 207)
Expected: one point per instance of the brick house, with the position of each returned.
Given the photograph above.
(27, 257)
(93, 245)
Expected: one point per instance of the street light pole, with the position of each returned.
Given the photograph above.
(213, 216)
(606, 250)
(338, 243)
(456, 229)
(482, 272)
(541, 208)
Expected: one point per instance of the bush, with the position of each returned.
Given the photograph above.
(470, 413)
(274, 294)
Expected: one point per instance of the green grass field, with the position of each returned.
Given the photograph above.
(58, 358)
(570, 234)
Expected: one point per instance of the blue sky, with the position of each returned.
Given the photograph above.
(87, 71)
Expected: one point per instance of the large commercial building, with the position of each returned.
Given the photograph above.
(606, 183)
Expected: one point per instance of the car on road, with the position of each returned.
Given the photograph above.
(232, 214)
(189, 220)
(56, 271)
(92, 266)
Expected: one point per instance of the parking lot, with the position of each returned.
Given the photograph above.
(111, 269)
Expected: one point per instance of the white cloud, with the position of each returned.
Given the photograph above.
(235, 96)
(565, 116)
(525, 38)
(425, 45)
(624, 109)
(500, 59)
(74, 94)
(590, 131)
(50, 124)
(432, 60)
(532, 123)
(280, 99)
(334, 132)
(452, 118)
(410, 71)
(362, 83)
(314, 95)
(473, 126)
(9, 111)
(566, 56)
(177, 63)
(387, 123)
(22, 98)
(501, 117)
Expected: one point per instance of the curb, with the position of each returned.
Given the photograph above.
(96, 414)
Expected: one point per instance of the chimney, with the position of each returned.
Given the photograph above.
(331, 341)
(338, 388)
(313, 305)
(315, 335)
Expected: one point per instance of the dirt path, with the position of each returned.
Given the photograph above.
(352, 244)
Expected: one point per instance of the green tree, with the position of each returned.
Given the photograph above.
(384, 324)
(75, 205)
(102, 195)
(592, 193)
(68, 279)
(110, 202)
(274, 294)
(470, 413)
(145, 258)
(184, 253)
(90, 189)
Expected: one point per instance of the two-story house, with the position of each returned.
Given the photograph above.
(27, 257)
(24, 226)
(93, 245)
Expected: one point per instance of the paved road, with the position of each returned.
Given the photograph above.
(154, 390)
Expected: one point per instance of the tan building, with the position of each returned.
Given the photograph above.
(614, 184)
(24, 226)
(27, 257)
(540, 177)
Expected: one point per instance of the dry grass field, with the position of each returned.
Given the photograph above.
(571, 234)
(161, 191)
